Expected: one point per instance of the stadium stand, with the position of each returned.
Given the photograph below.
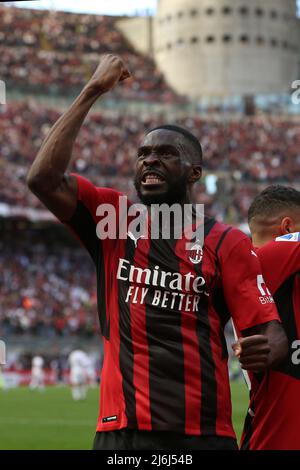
(37, 57)
(47, 287)
(242, 153)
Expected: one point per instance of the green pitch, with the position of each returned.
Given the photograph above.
(52, 420)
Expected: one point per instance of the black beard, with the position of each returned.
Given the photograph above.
(175, 194)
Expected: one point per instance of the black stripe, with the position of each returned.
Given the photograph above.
(166, 357)
(208, 411)
(126, 356)
(284, 302)
(219, 301)
(222, 239)
(209, 223)
(247, 431)
(84, 226)
(221, 308)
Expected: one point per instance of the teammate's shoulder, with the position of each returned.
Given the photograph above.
(275, 247)
(289, 237)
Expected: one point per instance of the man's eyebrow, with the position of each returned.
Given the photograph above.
(144, 149)
(159, 148)
(168, 148)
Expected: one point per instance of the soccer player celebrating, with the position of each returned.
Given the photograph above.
(162, 307)
(273, 417)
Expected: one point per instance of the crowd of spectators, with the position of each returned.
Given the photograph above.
(46, 288)
(56, 52)
(64, 31)
(241, 154)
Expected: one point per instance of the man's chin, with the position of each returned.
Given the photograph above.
(152, 198)
(164, 197)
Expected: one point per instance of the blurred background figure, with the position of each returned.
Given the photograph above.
(2, 381)
(37, 374)
(91, 372)
(79, 374)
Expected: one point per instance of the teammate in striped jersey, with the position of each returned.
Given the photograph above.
(162, 303)
(273, 418)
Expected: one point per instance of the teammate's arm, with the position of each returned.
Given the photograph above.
(47, 177)
(262, 347)
(263, 343)
(286, 252)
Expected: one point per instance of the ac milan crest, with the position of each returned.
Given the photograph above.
(196, 253)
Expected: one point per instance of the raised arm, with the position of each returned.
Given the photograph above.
(47, 177)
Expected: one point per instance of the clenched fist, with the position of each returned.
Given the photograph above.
(253, 352)
(109, 72)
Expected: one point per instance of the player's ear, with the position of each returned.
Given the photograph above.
(287, 225)
(196, 174)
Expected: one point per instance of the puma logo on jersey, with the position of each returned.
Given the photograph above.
(135, 240)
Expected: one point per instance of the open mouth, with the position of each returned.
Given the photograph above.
(152, 179)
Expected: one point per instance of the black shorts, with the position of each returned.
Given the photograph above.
(131, 439)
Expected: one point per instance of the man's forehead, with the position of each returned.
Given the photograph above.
(275, 217)
(264, 219)
(162, 137)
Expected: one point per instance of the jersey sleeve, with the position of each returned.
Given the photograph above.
(83, 222)
(91, 196)
(280, 259)
(247, 296)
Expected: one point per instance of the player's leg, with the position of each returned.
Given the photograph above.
(40, 382)
(33, 382)
(83, 391)
(2, 383)
(75, 384)
(81, 378)
(76, 392)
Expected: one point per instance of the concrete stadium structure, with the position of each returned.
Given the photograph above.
(223, 48)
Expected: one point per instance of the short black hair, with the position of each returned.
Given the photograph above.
(272, 199)
(187, 134)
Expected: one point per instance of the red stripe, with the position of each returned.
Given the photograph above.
(224, 411)
(112, 401)
(140, 344)
(192, 370)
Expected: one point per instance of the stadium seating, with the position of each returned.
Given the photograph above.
(46, 288)
(37, 57)
(243, 153)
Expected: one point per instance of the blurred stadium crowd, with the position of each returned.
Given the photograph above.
(56, 53)
(47, 287)
(242, 154)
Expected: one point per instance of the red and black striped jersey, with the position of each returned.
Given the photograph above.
(272, 422)
(162, 313)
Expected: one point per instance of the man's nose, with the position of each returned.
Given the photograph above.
(151, 159)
